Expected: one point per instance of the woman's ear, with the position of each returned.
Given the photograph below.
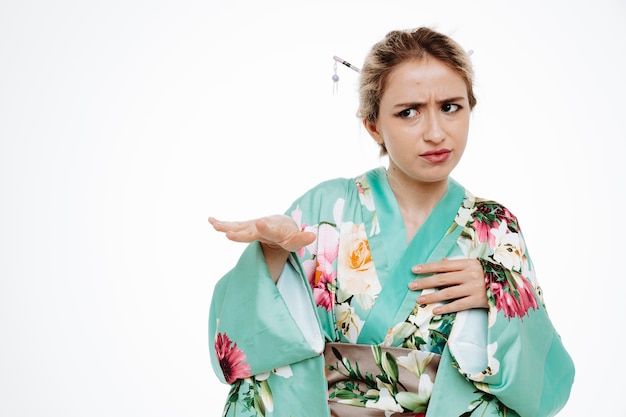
(373, 131)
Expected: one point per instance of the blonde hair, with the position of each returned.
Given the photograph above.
(399, 46)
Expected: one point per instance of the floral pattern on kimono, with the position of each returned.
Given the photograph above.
(347, 269)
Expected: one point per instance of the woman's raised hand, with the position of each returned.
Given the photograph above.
(279, 235)
(274, 232)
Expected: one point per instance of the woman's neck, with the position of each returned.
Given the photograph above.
(416, 199)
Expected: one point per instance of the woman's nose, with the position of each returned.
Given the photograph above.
(433, 129)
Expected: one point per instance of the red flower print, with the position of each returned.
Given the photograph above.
(489, 215)
(231, 359)
(510, 291)
(483, 231)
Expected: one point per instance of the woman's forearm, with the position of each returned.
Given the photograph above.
(275, 257)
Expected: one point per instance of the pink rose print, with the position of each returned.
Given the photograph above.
(231, 359)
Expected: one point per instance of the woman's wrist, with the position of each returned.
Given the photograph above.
(275, 258)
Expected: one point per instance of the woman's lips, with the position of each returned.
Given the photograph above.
(436, 156)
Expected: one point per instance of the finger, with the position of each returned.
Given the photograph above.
(214, 222)
(440, 280)
(225, 226)
(446, 279)
(245, 236)
(477, 300)
(453, 307)
(445, 265)
(470, 296)
(446, 294)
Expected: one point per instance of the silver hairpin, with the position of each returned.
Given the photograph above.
(336, 76)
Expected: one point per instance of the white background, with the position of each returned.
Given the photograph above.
(125, 124)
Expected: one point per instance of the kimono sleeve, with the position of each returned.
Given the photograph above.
(513, 350)
(251, 329)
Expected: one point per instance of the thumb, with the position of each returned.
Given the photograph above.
(283, 234)
(298, 240)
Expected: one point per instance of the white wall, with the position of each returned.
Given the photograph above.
(125, 124)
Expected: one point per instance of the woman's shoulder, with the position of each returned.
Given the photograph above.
(492, 212)
(337, 187)
(486, 209)
(478, 200)
(330, 196)
(326, 192)
(490, 204)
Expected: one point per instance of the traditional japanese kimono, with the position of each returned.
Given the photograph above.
(341, 334)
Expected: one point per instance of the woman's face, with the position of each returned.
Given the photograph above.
(423, 120)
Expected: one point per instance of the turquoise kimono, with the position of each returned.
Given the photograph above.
(349, 289)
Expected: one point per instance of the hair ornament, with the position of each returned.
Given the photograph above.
(335, 76)
(346, 63)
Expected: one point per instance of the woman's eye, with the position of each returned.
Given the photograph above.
(408, 113)
(450, 108)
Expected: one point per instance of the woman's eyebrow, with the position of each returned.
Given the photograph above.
(409, 105)
(451, 99)
(413, 104)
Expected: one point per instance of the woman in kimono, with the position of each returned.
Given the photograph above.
(396, 292)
